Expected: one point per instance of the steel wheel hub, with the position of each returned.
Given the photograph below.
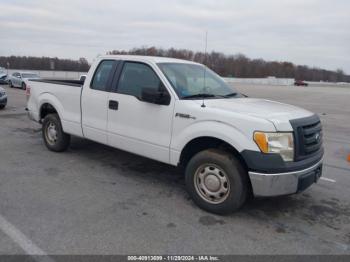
(51, 133)
(211, 183)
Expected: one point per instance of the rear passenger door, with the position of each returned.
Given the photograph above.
(134, 125)
(94, 101)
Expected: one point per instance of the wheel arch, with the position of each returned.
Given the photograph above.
(45, 109)
(199, 144)
(49, 105)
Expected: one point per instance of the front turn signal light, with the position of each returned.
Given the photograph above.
(262, 142)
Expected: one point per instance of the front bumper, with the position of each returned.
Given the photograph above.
(277, 184)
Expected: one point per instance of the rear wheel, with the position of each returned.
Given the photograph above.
(216, 181)
(2, 106)
(54, 137)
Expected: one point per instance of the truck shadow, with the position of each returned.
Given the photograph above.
(127, 163)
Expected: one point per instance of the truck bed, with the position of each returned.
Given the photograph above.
(64, 95)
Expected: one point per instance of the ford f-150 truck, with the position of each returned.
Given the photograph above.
(183, 114)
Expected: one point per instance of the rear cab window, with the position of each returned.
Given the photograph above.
(103, 75)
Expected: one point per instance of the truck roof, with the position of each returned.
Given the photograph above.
(152, 59)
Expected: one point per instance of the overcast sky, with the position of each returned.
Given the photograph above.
(311, 32)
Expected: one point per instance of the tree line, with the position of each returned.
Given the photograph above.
(44, 63)
(239, 65)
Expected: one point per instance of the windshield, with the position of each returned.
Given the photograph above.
(196, 81)
(30, 76)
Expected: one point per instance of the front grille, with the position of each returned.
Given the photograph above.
(312, 137)
(308, 136)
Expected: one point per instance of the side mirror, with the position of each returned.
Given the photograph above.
(153, 96)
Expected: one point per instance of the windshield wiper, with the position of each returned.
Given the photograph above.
(198, 96)
(230, 95)
(209, 95)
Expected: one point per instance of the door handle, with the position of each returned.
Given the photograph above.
(113, 105)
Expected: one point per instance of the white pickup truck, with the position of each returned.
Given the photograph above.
(183, 114)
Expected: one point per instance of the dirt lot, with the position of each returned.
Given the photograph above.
(98, 200)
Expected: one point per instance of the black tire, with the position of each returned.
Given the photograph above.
(23, 86)
(54, 137)
(235, 176)
(10, 84)
(2, 106)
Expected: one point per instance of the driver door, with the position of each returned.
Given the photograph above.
(134, 125)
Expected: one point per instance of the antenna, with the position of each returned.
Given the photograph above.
(205, 69)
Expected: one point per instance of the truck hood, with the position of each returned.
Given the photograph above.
(277, 113)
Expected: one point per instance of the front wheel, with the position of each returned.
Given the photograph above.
(24, 86)
(54, 137)
(216, 181)
(10, 84)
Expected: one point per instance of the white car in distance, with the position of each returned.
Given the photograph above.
(19, 79)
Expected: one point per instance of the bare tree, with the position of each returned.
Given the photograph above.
(44, 63)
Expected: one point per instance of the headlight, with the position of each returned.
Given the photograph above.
(278, 143)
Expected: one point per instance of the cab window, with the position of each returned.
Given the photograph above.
(136, 76)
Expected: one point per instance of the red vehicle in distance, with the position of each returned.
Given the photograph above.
(300, 83)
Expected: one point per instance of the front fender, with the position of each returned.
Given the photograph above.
(210, 128)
